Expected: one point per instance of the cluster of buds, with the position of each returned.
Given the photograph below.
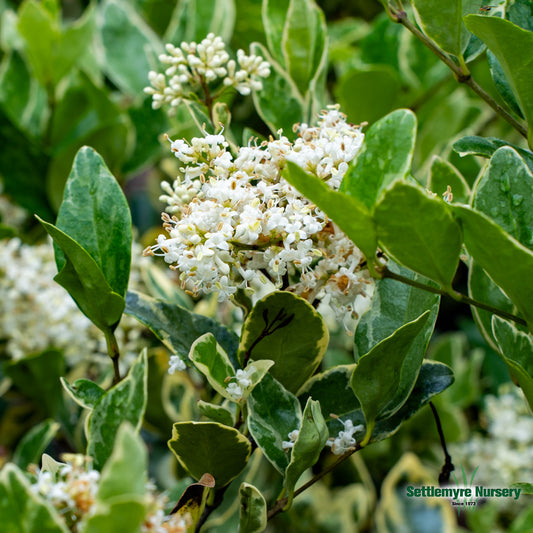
(193, 67)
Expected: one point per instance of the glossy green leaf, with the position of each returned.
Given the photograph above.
(85, 282)
(304, 41)
(351, 215)
(192, 502)
(52, 51)
(274, 15)
(504, 39)
(37, 377)
(210, 448)
(192, 20)
(212, 361)
(333, 390)
(384, 378)
(274, 413)
(279, 103)
(486, 146)
(502, 84)
(516, 349)
(432, 379)
(505, 260)
(177, 327)
(311, 439)
(119, 515)
(394, 304)
(125, 471)
(443, 174)
(252, 510)
(504, 192)
(217, 413)
(96, 215)
(83, 391)
(286, 329)
(35, 441)
(385, 157)
(520, 12)
(419, 231)
(21, 510)
(126, 401)
(127, 40)
(159, 285)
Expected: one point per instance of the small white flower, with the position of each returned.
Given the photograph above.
(293, 435)
(345, 440)
(176, 363)
(234, 390)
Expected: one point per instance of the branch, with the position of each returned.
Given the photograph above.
(460, 72)
(455, 295)
(280, 504)
(114, 353)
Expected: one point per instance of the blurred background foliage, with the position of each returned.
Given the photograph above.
(72, 73)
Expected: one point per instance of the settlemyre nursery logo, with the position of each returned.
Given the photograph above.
(464, 495)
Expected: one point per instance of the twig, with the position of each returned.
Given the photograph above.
(114, 353)
(448, 467)
(460, 72)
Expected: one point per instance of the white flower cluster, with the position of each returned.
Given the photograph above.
(238, 388)
(73, 489)
(37, 313)
(176, 363)
(193, 66)
(345, 439)
(505, 454)
(237, 224)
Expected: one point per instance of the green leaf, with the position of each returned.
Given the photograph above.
(311, 439)
(384, 378)
(96, 215)
(52, 51)
(504, 192)
(177, 327)
(192, 20)
(279, 103)
(504, 39)
(274, 15)
(443, 24)
(526, 488)
(217, 413)
(505, 260)
(393, 305)
(485, 147)
(333, 390)
(118, 515)
(37, 377)
(208, 447)
(385, 157)
(286, 329)
(21, 96)
(432, 379)
(21, 510)
(274, 413)
(85, 282)
(126, 40)
(516, 349)
(351, 215)
(419, 231)
(160, 286)
(304, 41)
(125, 471)
(252, 510)
(83, 391)
(443, 174)
(126, 401)
(192, 502)
(502, 84)
(35, 441)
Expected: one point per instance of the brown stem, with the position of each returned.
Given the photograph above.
(114, 353)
